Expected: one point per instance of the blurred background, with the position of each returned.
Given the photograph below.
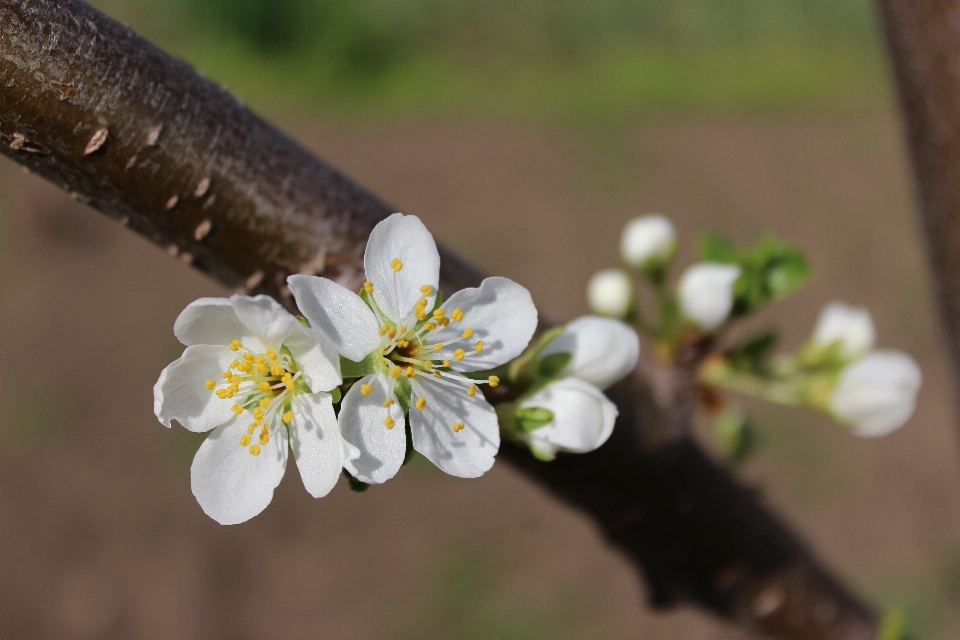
(524, 133)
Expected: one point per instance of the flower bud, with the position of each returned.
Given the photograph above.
(706, 293)
(583, 418)
(610, 293)
(602, 350)
(648, 241)
(850, 328)
(877, 394)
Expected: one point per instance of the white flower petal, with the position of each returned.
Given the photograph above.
(583, 416)
(602, 350)
(848, 326)
(706, 293)
(213, 321)
(362, 419)
(338, 314)
(180, 393)
(265, 319)
(501, 314)
(878, 393)
(316, 443)
(467, 453)
(230, 483)
(402, 238)
(316, 357)
(648, 239)
(610, 292)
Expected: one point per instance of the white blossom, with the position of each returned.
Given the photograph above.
(850, 328)
(610, 293)
(648, 241)
(253, 376)
(583, 418)
(706, 293)
(877, 394)
(451, 423)
(602, 350)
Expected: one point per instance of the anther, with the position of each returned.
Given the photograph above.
(494, 381)
(389, 423)
(395, 371)
(258, 413)
(426, 289)
(287, 417)
(421, 403)
(237, 409)
(244, 440)
(422, 302)
(251, 427)
(264, 438)
(410, 372)
(466, 333)
(472, 390)
(265, 386)
(221, 393)
(457, 314)
(264, 403)
(254, 450)
(402, 330)
(479, 346)
(210, 384)
(396, 265)
(271, 354)
(458, 355)
(445, 322)
(234, 364)
(438, 314)
(388, 402)
(457, 426)
(429, 326)
(446, 363)
(436, 374)
(368, 287)
(236, 345)
(276, 370)
(365, 389)
(248, 357)
(437, 347)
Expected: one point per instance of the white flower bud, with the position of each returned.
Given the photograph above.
(877, 394)
(851, 328)
(602, 350)
(706, 293)
(610, 293)
(583, 418)
(648, 241)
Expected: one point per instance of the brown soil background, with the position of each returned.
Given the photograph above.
(101, 538)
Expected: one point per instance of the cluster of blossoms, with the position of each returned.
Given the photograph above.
(838, 371)
(363, 379)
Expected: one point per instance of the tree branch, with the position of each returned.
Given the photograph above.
(87, 104)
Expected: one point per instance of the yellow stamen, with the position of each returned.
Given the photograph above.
(429, 326)
(494, 381)
(365, 389)
(236, 345)
(419, 312)
(466, 333)
(271, 354)
(262, 368)
(226, 375)
(251, 427)
(437, 347)
(472, 390)
(445, 322)
(244, 440)
(458, 355)
(403, 343)
(258, 413)
(264, 438)
(392, 331)
(396, 265)
(403, 329)
(446, 363)
(410, 372)
(388, 402)
(384, 329)
(265, 386)
(287, 417)
(422, 302)
(259, 359)
(276, 369)
(389, 423)
(395, 371)
(221, 393)
(457, 314)
(457, 426)
(234, 364)
(264, 403)
(254, 450)
(248, 357)
(426, 289)
(237, 409)
(421, 403)
(210, 384)
(368, 286)
(479, 346)
(438, 314)
(436, 374)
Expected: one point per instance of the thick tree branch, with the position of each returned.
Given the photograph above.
(140, 136)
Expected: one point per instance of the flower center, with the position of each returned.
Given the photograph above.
(264, 384)
(413, 349)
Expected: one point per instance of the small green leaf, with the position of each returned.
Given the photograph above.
(303, 321)
(717, 248)
(351, 369)
(530, 418)
(438, 301)
(754, 354)
(403, 391)
(553, 364)
(355, 485)
(336, 395)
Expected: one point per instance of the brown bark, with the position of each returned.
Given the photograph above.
(140, 136)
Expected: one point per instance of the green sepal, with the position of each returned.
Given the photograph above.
(336, 395)
(530, 418)
(754, 354)
(408, 455)
(355, 485)
(303, 321)
(553, 364)
(519, 369)
(542, 456)
(438, 301)
(351, 369)
(403, 391)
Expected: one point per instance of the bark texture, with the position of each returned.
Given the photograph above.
(140, 136)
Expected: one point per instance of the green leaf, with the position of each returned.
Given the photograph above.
(336, 395)
(530, 418)
(355, 485)
(351, 369)
(403, 391)
(754, 354)
(553, 364)
(717, 248)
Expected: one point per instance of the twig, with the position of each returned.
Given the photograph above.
(140, 136)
